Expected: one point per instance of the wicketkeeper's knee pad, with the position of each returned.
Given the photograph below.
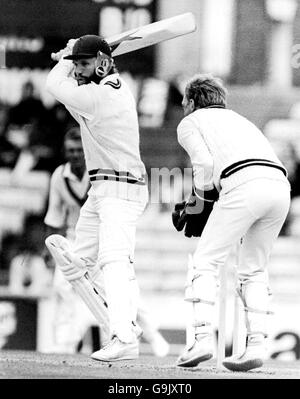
(200, 285)
(256, 300)
(71, 265)
(200, 289)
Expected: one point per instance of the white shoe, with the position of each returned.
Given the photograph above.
(117, 350)
(200, 351)
(253, 356)
(159, 345)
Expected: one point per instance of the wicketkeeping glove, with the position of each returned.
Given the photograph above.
(194, 213)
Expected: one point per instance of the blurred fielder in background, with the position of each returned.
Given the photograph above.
(86, 81)
(68, 191)
(240, 190)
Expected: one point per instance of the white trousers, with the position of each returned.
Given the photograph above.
(256, 211)
(106, 229)
(105, 238)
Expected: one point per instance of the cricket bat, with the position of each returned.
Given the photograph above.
(156, 32)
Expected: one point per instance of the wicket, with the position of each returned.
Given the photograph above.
(238, 338)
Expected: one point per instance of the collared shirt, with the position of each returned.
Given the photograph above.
(67, 195)
(106, 113)
(216, 138)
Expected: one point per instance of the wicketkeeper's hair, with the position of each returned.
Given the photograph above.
(73, 134)
(206, 90)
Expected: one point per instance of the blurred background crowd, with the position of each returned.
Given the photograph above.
(254, 46)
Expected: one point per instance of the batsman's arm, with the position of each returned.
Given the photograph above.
(64, 88)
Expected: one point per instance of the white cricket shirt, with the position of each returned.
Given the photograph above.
(216, 138)
(67, 195)
(108, 121)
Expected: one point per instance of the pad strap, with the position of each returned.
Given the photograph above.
(249, 309)
(199, 300)
(201, 324)
(189, 287)
(256, 332)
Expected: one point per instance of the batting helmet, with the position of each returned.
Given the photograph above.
(88, 46)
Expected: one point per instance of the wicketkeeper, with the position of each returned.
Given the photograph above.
(240, 190)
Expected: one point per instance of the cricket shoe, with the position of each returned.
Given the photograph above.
(253, 356)
(200, 351)
(117, 350)
(159, 345)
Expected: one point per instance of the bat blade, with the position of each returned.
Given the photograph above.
(150, 34)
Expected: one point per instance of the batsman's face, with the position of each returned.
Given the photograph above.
(84, 70)
(187, 105)
(74, 152)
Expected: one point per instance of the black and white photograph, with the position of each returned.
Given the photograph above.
(150, 193)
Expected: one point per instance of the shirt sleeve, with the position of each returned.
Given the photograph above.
(56, 213)
(64, 88)
(190, 138)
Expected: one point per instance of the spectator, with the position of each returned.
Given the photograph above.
(29, 110)
(34, 130)
(9, 152)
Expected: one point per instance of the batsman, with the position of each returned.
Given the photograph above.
(240, 190)
(86, 81)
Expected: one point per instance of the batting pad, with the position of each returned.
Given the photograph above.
(83, 287)
(57, 246)
(71, 265)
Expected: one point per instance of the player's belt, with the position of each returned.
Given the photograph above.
(110, 174)
(250, 162)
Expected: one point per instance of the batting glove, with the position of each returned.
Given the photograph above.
(65, 51)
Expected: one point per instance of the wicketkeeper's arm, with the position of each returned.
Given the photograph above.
(194, 213)
(191, 139)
